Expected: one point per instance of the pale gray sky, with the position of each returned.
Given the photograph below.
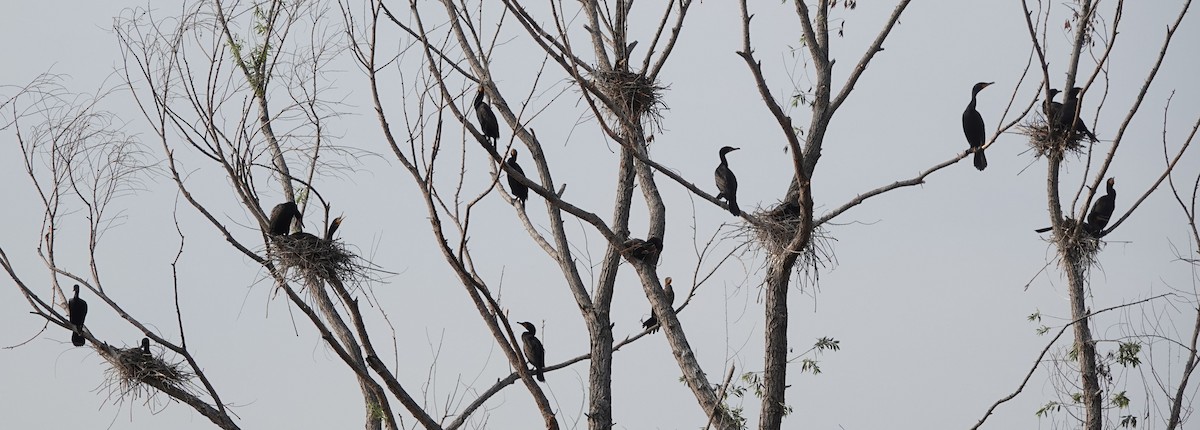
(927, 294)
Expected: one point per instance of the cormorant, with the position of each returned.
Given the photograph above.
(727, 182)
(333, 226)
(652, 322)
(281, 218)
(487, 119)
(534, 352)
(973, 127)
(644, 250)
(1052, 109)
(76, 313)
(1102, 210)
(146, 347)
(519, 190)
(1069, 119)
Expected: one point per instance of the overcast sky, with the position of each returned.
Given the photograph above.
(928, 292)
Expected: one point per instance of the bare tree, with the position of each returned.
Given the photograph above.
(240, 96)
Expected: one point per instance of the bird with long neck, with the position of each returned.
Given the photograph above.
(487, 120)
(973, 127)
(652, 322)
(519, 190)
(535, 353)
(76, 313)
(1102, 210)
(727, 182)
(1051, 108)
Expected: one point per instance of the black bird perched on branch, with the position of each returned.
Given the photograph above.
(280, 223)
(727, 182)
(534, 352)
(1102, 210)
(1100, 214)
(973, 127)
(644, 250)
(487, 119)
(76, 313)
(519, 190)
(1069, 119)
(652, 322)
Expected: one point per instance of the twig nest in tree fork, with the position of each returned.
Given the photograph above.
(640, 97)
(1082, 247)
(133, 372)
(316, 258)
(1048, 138)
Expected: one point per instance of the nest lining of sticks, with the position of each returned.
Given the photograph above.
(777, 226)
(134, 372)
(635, 92)
(1046, 138)
(1083, 248)
(316, 258)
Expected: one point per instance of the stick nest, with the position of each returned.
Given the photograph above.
(637, 94)
(135, 373)
(1082, 248)
(774, 230)
(313, 257)
(1047, 139)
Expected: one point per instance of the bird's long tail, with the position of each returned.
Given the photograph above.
(1043, 230)
(538, 373)
(651, 322)
(77, 339)
(980, 160)
(733, 207)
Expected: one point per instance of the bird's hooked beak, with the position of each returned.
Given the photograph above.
(986, 84)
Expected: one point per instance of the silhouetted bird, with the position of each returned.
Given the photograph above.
(727, 182)
(146, 347)
(487, 119)
(280, 223)
(534, 352)
(1102, 210)
(519, 190)
(652, 322)
(643, 250)
(973, 127)
(1052, 109)
(333, 226)
(1069, 119)
(76, 313)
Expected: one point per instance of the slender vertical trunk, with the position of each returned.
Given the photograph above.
(600, 370)
(775, 351)
(779, 273)
(1086, 348)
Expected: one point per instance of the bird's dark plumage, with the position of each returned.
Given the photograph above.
(146, 346)
(652, 322)
(280, 223)
(727, 182)
(1102, 210)
(644, 250)
(333, 226)
(1069, 118)
(76, 314)
(487, 119)
(519, 190)
(973, 127)
(1052, 109)
(534, 351)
